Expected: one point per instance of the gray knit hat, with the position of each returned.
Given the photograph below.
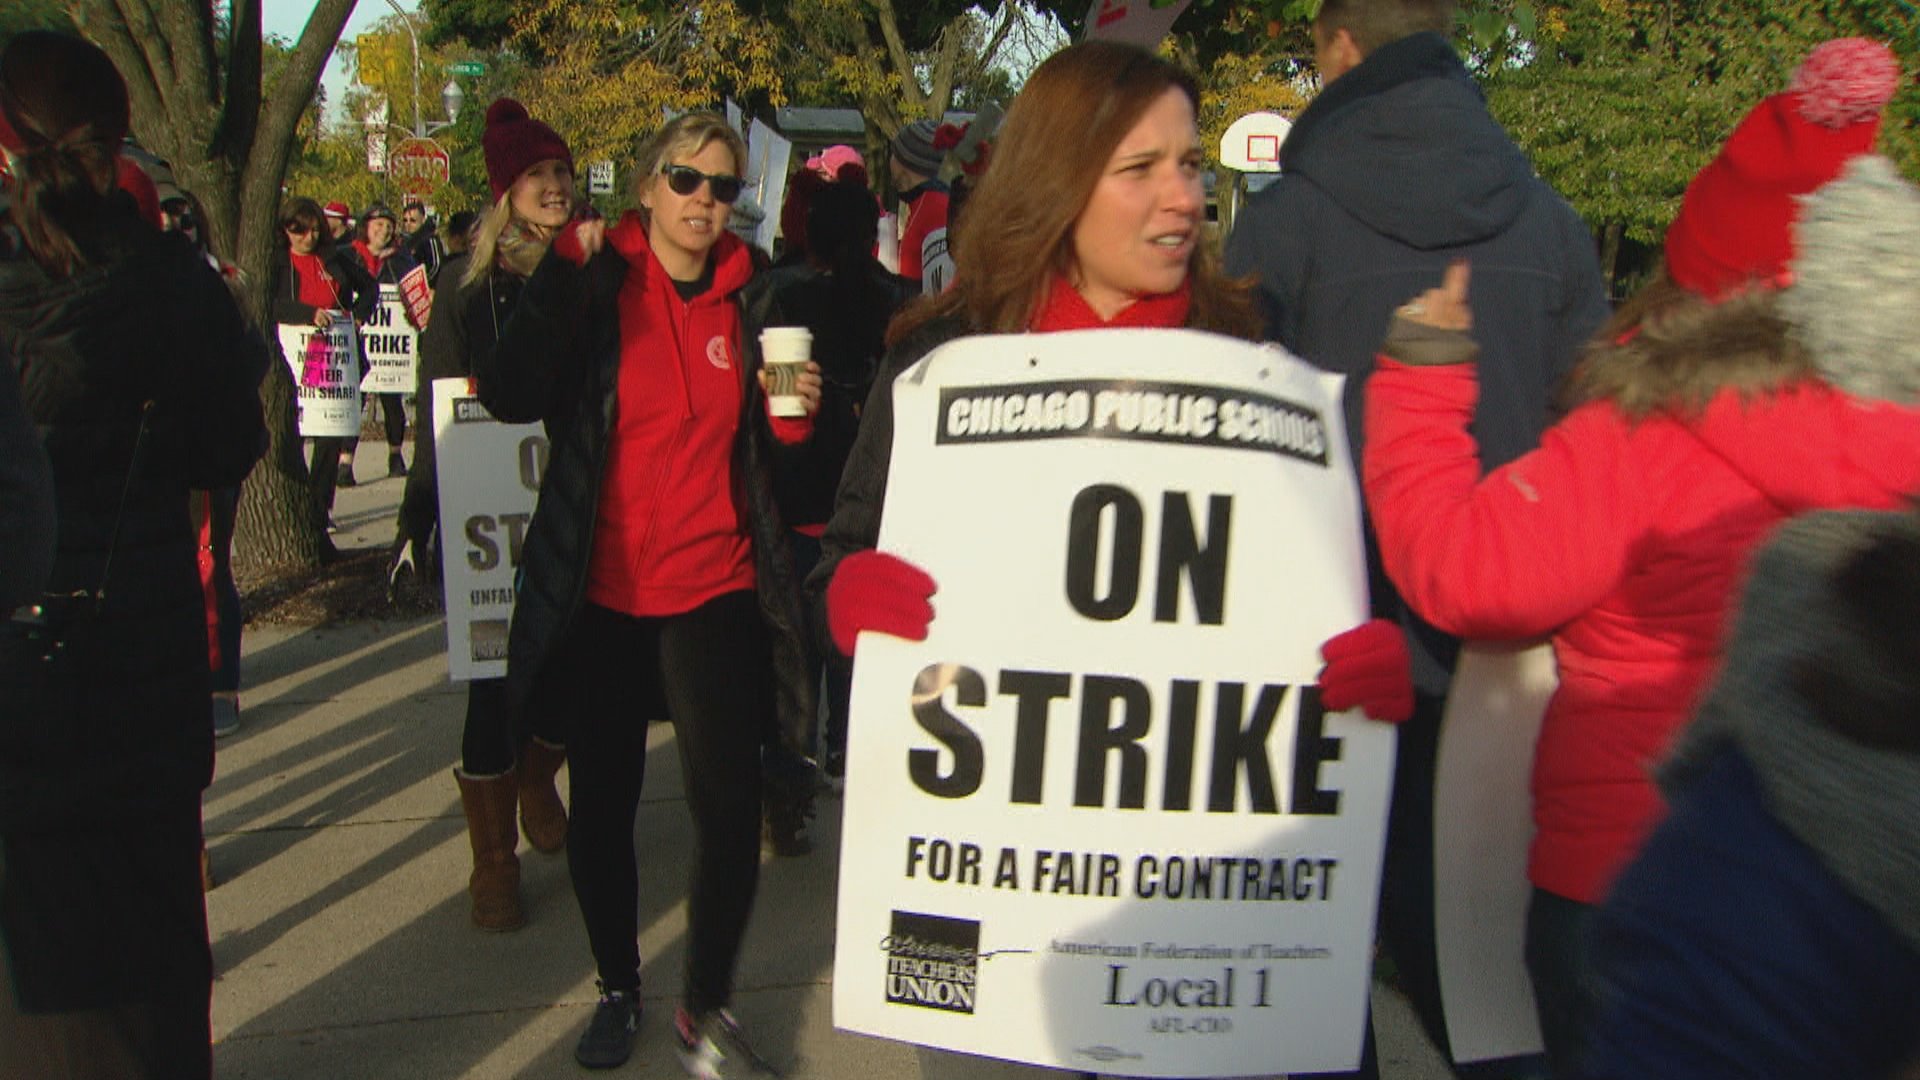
(1854, 804)
(913, 148)
(1855, 298)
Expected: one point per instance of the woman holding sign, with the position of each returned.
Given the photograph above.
(655, 571)
(530, 169)
(310, 283)
(1086, 224)
(389, 264)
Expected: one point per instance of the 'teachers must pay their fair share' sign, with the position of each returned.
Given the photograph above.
(489, 477)
(1098, 819)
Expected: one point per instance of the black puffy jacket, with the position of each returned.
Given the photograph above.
(558, 361)
(147, 329)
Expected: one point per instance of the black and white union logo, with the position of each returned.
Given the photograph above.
(933, 961)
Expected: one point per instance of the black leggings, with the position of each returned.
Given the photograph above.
(712, 668)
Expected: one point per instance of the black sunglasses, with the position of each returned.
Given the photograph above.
(685, 180)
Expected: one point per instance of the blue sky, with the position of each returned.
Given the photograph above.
(288, 18)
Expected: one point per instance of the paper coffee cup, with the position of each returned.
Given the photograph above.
(785, 351)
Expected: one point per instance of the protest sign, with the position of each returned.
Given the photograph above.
(323, 364)
(1482, 825)
(1099, 819)
(489, 476)
(392, 346)
(1138, 22)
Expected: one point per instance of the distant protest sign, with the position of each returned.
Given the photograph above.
(325, 377)
(1099, 819)
(392, 346)
(489, 477)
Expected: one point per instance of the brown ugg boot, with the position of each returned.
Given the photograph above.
(495, 883)
(542, 815)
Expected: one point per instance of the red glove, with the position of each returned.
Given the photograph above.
(1368, 668)
(567, 244)
(872, 590)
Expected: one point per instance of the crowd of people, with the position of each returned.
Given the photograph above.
(1702, 499)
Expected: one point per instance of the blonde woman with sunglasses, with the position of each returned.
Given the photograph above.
(654, 581)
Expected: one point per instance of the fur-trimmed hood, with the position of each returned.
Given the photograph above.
(1755, 376)
(1684, 350)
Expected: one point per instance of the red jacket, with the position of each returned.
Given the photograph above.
(670, 534)
(1625, 542)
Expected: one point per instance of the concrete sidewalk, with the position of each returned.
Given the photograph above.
(340, 935)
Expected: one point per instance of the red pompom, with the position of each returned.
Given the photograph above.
(948, 136)
(506, 110)
(982, 152)
(1845, 82)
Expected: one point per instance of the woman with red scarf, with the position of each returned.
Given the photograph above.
(309, 281)
(1077, 225)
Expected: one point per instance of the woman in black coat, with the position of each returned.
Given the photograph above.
(308, 299)
(503, 763)
(142, 377)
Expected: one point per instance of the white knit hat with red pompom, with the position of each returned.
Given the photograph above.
(1735, 227)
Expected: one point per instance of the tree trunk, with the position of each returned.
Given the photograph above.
(1610, 254)
(229, 143)
(276, 529)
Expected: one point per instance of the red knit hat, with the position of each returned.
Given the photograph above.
(134, 180)
(515, 142)
(1735, 225)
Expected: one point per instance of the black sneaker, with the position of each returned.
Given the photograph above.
(345, 476)
(396, 465)
(608, 1040)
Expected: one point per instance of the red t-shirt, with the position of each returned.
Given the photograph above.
(317, 286)
(926, 226)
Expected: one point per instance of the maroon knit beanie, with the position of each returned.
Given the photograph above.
(515, 142)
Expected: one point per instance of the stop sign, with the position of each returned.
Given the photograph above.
(417, 166)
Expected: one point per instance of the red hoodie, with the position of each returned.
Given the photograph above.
(671, 532)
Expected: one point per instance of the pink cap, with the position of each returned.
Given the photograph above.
(829, 161)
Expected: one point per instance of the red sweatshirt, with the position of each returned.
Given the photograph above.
(671, 532)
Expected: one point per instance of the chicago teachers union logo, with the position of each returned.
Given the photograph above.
(933, 962)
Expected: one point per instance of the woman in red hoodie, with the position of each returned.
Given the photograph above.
(654, 574)
(1077, 225)
(1704, 417)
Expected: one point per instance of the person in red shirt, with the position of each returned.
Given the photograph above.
(914, 167)
(309, 281)
(380, 251)
(654, 579)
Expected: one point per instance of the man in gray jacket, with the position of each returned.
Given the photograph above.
(1394, 171)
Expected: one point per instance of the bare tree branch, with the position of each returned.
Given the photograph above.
(293, 90)
(102, 24)
(940, 97)
(1009, 16)
(240, 113)
(152, 43)
(902, 59)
